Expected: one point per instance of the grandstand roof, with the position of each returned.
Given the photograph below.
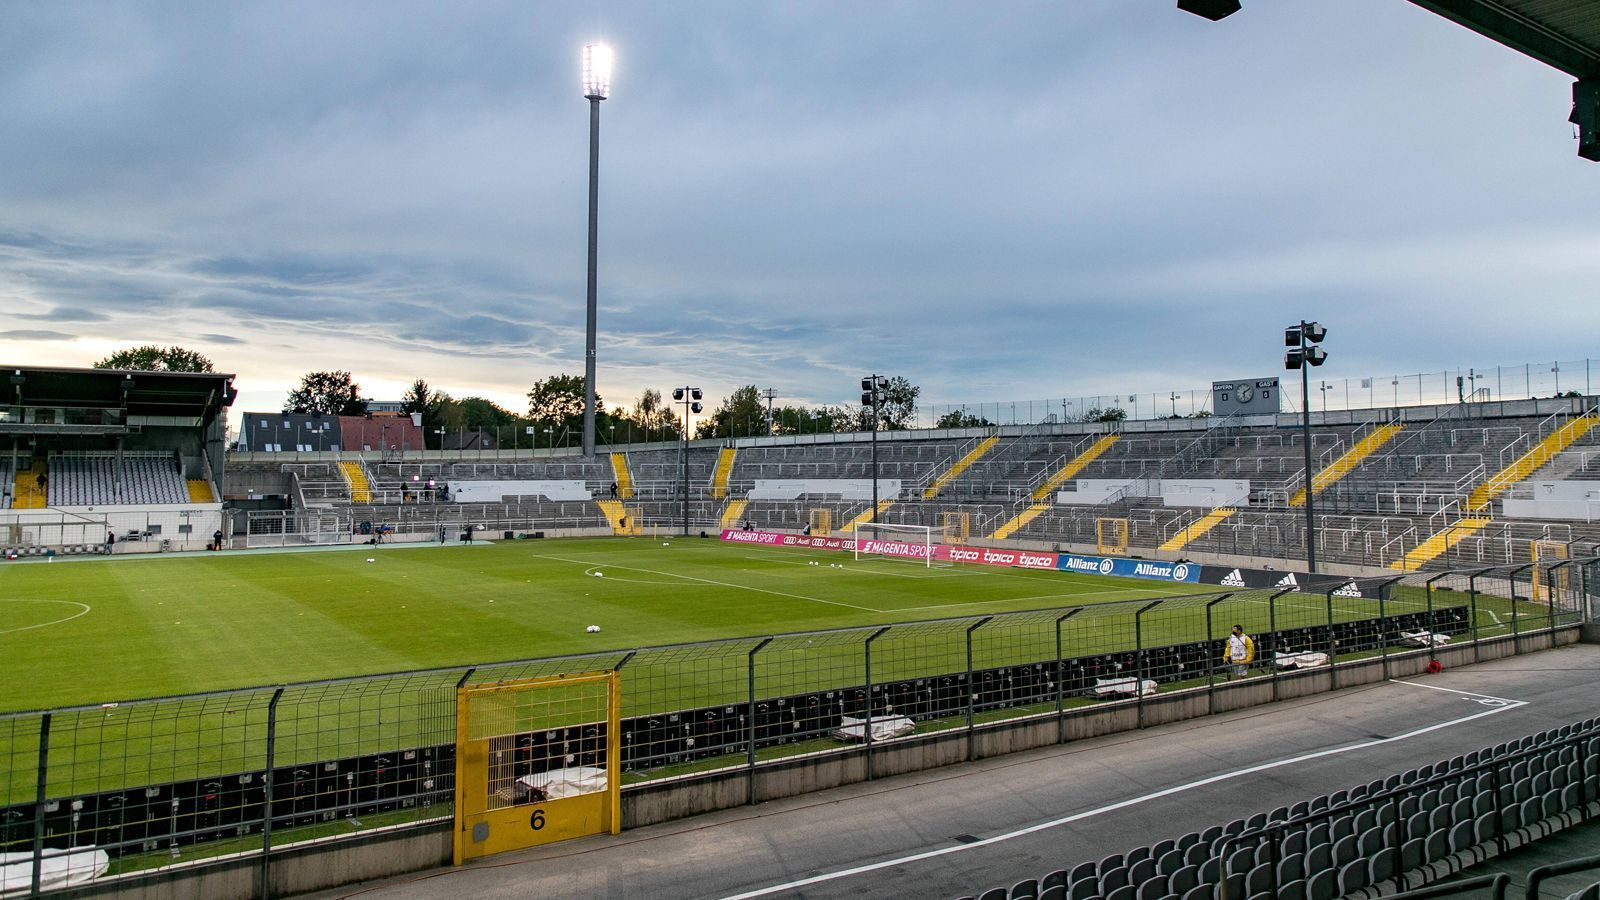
(1560, 33)
(187, 394)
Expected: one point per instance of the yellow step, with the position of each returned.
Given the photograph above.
(1439, 543)
(1348, 461)
(25, 493)
(620, 474)
(866, 516)
(1072, 468)
(622, 521)
(735, 511)
(1020, 520)
(961, 465)
(1542, 452)
(719, 477)
(200, 491)
(360, 488)
(1198, 527)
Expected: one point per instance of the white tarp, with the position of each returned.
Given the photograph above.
(570, 782)
(58, 869)
(1423, 639)
(1305, 660)
(883, 728)
(1123, 687)
(843, 488)
(498, 491)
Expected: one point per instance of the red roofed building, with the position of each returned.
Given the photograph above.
(380, 433)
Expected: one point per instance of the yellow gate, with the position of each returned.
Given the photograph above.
(537, 761)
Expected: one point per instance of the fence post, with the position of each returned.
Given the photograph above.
(1061, 680)
(1383, 630)
(1472, 597)
(266, 805)
(750, 725)
(972, 695)
(1272, 625)
(38, 804)
(866, 661)
(1427, 589)
(1516, 630)
(1333, 645)
(1499, 809)
(1211, 671)
(1138, 647)
(1551, 579)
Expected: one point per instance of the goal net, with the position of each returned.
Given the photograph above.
(905, 543)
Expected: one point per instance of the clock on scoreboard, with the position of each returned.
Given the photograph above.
(1244, 397)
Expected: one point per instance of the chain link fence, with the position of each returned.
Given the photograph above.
(150, 785)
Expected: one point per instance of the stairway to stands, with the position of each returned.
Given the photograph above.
(1348, 461)
(733, 512)
(356, 478)
(1074, 466)
(1197, 528)
(866, 516)
(719, 475)
(25, 491)
(1019, 521)
(1439, 543)
(620, 475)
(617, 515)
(960, 465)
(1529, 462)
(200, 491)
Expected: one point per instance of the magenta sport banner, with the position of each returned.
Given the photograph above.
(941, 552)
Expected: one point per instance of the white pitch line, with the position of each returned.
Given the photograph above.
(737, 587)
(82, 612)
(1112, 807)
(1434, 687)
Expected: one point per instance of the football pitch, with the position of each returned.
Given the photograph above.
(92, 631)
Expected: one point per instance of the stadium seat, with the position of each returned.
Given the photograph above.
(1292, 868)
(1413, 855)
(1241, 860)
(1292, 890)
(1085, 889)
(1352, 876)
(1153, 888)
(1258, 880)
(1025, 890)
(1370, 842)
(1141, 871)
(1322, 885)
(1170, 862)
(1081, 871)
(1126, 892)
(1136, 855)
(1112, 879)
(1181, 881)
(1319, 857)
(1437, 845)
(1197, 853)
(1114, 861)
(1346, 849)
(1058, 878)
(998, 893)
(1054, 892)
(1200, 892)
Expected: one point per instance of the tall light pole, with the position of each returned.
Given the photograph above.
(690, 398)
(769, 393)
(1304, 353)
(596, 87)
(875, 390)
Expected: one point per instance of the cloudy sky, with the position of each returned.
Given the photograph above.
(997, 200)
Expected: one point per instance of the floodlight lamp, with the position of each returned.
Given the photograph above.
(1315, 333)
(694, 394)
(883, 383)
(867, 398)
(677, 393)
(1215, 10)
(696, 408)
(1293, 359)
(1316, 356)
(597, 59)
(1291, 336)
(866, 384)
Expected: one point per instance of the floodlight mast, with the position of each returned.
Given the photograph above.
(597, 59)
(1302, 339)
(690, 398)
(874, 391)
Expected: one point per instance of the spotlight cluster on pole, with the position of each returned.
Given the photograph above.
(874, 393)
(1303, 354)
(596, 87)
(690, 397)
(1215, 10)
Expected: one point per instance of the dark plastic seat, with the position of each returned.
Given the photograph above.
(1370, 842)
(1382, 866)
(1111, 879)
(1141, 871)
(1085, 889)
(1081, 870)
(1200, 892)
(1135, 855)
(1352, 876)
(1123, 893)
(1258, 880)
(1323, 885)
(1025, 890)
(1153, 888)
(1054, 892)
(1437, 845)
(993, 894)
(1182, 880)
(1319, 857)
(1292, 890)
(1169, 862)
(1345, 849)
(1413, 854)
(1058, 878)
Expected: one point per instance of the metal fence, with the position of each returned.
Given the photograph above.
(152, 785)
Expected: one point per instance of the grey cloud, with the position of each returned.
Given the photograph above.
(219, 338)
(67, 314)
(30, 335)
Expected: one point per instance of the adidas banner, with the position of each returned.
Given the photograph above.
(1273, 579)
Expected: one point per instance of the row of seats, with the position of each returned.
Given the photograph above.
(1417, 826)
(106, 480)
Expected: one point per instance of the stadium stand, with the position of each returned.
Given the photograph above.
(116, 479)
(1375, 839)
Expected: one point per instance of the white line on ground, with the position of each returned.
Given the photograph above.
(1434, 687)
(82, 612)
(1112, 807)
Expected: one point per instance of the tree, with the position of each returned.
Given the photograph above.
(329, 393)
(740, 415)
(151, 358)
(895, 413)
(805, 420)
(960, 418)
(1109, 414)
(558, 401)
(417, 399)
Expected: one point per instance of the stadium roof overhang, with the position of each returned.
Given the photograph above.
(1564, 34)
(145, 394)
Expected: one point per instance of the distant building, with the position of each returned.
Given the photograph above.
(387, 407)
(289, 432)
(470, 440)
(381, 433)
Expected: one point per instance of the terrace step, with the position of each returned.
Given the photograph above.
(1439, 543)
(200, 491)
(866, 516)
(961, 465)
(1198, 527)
(620, 474)
(617, 515)
(1351, 458)
(735, 510)
(1019, 521)
(25, 493)
(1525, 465)
(719, 476)
(1072, 468)
(356, 478)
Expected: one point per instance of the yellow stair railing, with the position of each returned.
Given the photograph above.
(1439, 543)
(356, 478)
(1019, 521)
(961, 465)
(865, 516)
(735, 510)
(1348, 461)
(1529, 462)
(1072, 468)
(25, 493)
(620, 474)
(719, 477)
(1198, 527)
(200, 491)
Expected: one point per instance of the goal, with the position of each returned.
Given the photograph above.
(882, 540)
(1549, 583)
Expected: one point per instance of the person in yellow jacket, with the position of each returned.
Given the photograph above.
(1241, 652)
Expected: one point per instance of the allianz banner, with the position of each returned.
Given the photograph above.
(1156, 570)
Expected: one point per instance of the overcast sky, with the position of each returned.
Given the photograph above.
(997, 200)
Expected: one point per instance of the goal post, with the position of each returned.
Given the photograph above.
(883, 540)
